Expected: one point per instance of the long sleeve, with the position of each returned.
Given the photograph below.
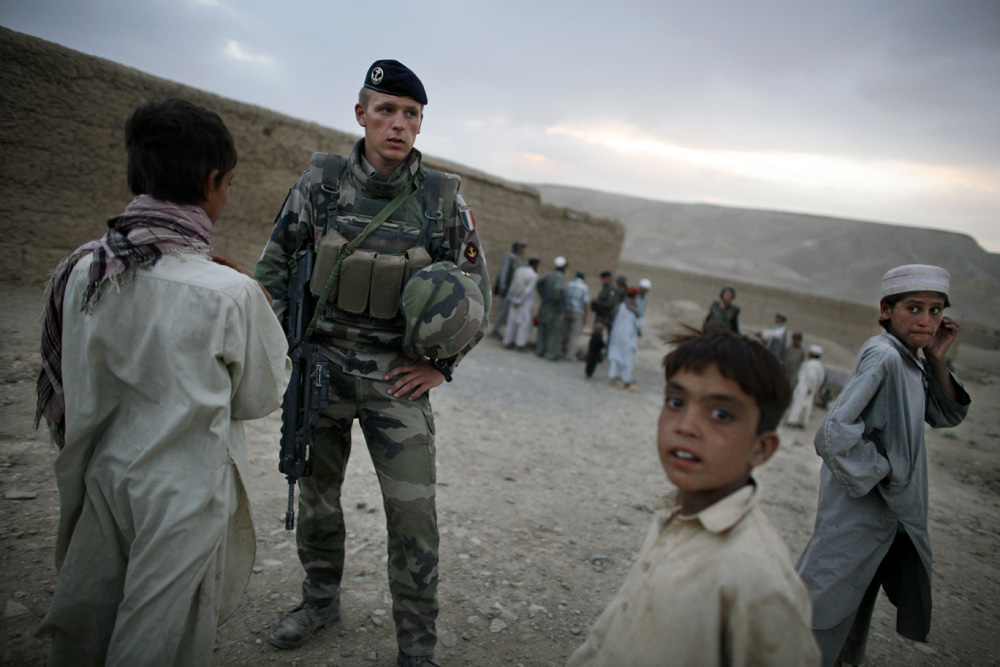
(257, 357)
(941, 410)
(847, 438)
(292, 230)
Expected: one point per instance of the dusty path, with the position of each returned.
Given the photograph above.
(545, 482)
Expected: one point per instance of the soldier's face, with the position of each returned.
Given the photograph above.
(391, 124)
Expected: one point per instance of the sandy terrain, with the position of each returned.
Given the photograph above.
(545, 484)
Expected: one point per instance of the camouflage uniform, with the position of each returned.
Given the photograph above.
(399, 432)
(606, 304)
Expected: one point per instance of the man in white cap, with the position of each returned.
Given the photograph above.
(871, 524)
(640, 300)
(810, 379)
(550, 311)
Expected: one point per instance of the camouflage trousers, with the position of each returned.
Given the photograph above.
(400, 438)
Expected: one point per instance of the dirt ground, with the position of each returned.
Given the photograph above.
(545, 487)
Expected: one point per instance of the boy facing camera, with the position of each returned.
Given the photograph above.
(714, 582)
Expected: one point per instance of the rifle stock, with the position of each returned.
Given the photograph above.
(309, 387)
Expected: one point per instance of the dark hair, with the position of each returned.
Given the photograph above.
(173, 146)
(893, 299)
(727, 288)
(741, 359)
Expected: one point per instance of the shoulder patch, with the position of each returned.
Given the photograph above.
(465, 213)
(472, 253)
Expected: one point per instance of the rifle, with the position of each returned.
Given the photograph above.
(309, 388)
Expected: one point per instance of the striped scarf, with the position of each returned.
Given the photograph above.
(148, 229)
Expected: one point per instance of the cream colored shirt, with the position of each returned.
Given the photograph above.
(716, 588)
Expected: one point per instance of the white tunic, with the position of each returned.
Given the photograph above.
(811, 376)
(155, 541)
(522, 301)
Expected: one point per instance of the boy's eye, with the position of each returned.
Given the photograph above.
(674, 402)
(935, 310)
(721, 415)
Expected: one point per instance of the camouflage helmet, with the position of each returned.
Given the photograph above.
(443, 308)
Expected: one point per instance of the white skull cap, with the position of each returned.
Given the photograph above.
(645, 283)
(560, 262)
(915, 278)
(815, 349)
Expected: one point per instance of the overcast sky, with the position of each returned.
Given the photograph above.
(885, 110)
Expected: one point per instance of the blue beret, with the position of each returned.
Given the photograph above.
(394, 78)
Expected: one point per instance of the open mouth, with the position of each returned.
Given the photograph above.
(683, 456)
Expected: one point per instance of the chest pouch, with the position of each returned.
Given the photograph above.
(329, 251)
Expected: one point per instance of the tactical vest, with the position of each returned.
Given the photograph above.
(719, 319)
(367, 292)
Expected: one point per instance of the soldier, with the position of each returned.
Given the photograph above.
(550, 312)
(377, 377)
(607, 301)
(723, 314)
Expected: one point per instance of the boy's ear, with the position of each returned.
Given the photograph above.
(764, 448)
(208, 185)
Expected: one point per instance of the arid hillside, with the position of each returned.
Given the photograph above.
(834, 257)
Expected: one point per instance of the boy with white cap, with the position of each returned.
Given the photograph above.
(808, 382)
(871, 523)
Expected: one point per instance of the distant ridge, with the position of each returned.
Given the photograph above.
(834, 257)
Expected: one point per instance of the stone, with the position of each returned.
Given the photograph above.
(15, 610)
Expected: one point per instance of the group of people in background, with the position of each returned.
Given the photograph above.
(803, 368)
(562, 313)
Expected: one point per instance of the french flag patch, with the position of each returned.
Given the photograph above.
(465, 213)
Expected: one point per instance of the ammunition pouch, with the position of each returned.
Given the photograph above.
(370, 282)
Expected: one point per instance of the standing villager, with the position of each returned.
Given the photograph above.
(723, 315)
(871, 523)
(520, 312)
(623, 343)
(792, 359)
(576, 298)
(154, 350)
(645, 284)
(807, 385)
(776, 338)
(381, 216)
(550, 311)
(510, 263)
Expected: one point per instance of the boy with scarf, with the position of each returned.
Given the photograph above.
(153, 351)
(871, 524)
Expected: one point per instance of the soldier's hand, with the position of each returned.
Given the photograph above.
(414, 380)
(236, 266)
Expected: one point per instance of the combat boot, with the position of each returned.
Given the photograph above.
(298, 625)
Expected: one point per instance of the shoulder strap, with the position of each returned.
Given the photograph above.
(325, 172)
(432, 214)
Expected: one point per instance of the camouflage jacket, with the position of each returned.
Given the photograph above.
(362, 345)
(606, 305)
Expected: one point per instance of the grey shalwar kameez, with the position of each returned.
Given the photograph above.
(874, 429)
